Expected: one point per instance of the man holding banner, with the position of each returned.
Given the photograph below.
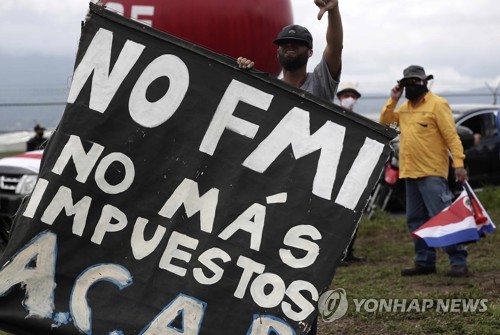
(427, 134)
(197, 198)
(295, 47)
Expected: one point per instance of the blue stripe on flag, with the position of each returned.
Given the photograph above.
(461, 236)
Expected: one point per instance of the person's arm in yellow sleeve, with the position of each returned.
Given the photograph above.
(389, 115)
(448, 130)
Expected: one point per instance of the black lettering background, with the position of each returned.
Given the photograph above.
(164, 156)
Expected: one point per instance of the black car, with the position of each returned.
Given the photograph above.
(482, 158)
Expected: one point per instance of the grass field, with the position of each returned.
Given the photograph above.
(388, 248)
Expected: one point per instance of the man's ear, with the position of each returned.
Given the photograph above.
(310, 53)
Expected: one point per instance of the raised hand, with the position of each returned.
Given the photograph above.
(396, 92)
(325, 6)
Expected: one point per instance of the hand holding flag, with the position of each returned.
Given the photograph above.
(463, 221)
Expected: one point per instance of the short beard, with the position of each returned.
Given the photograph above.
(292, 64)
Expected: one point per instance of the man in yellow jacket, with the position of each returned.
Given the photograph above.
(428, 134)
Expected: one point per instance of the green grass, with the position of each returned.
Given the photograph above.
(389, 248)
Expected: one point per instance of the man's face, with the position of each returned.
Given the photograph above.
(348, 100)
(292, 55)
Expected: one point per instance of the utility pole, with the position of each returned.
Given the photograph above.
(494, 91)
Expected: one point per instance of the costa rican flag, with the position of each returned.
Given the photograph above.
(28, 160)
(455, 224)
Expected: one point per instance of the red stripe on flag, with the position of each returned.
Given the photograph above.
(31, 155)
(457, 212)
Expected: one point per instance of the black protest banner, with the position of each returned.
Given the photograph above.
(181, 195)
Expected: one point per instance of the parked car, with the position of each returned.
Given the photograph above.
(478, 127)
(482, 159)
(18, 175)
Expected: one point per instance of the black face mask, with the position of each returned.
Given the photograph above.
(413, 92)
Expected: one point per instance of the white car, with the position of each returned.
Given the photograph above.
(18, 175)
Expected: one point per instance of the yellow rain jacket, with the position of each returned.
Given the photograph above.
(427, 132)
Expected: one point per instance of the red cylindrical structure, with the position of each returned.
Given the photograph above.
(234, 28)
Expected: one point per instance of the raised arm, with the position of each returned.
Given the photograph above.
(388, 115)
(334, 35)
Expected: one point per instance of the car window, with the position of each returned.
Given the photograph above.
(489, 125)
(484, 124)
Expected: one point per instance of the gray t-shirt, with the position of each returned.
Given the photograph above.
(320, 83)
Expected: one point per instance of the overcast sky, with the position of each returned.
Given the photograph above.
(458, 41)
